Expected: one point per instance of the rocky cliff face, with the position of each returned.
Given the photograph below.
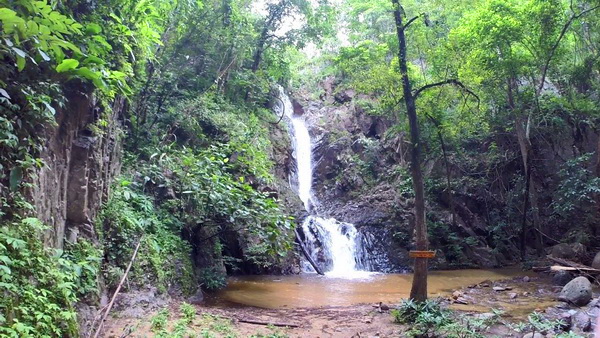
(80, 161)
(361, 176)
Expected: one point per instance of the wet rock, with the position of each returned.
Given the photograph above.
(533, 335)
(457, 294)
(526, 279)
(580, 251)
(512, 295)
(596, 262)
(501, 288)
(197, 298)
(577, 292)
(485, 316)
(563, 250)
(345, 96)
(561, 278)
(461, 300)
(582, 321)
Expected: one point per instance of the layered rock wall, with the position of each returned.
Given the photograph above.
(80, 163)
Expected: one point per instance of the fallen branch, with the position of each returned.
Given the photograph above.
(307, 255)
(568, 268)
(112, 300)
(260, 322)
(566, 262)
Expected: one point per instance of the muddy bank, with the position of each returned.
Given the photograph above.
(500, 307)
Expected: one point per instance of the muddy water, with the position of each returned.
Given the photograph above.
(314, 291)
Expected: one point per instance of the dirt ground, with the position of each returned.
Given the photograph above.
(514, 297)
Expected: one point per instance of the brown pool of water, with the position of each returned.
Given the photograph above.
(307, 290)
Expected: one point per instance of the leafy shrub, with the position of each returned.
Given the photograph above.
(163, 258)
(212, 278)
(39, 285)
(576, 198)
(159, 321)
(429, 319)
(188, 312)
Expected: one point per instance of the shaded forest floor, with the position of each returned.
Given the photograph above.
(508, 301)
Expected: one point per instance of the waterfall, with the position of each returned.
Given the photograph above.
(335, 246)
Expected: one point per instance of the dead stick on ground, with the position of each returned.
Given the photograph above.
(112, 300)
(260, 322)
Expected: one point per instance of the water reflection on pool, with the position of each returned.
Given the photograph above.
(309, 290)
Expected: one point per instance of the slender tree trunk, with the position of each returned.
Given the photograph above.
(530, 196)
(447, 165)
(419, 285)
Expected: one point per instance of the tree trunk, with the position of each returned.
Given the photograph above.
(530, 197)
(419, 285)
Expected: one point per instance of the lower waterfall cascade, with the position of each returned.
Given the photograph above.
(335, 246)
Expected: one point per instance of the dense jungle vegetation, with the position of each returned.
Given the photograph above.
(506, 96)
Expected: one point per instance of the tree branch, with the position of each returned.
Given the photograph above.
(557, 43)
(454, 82)
(411, 21)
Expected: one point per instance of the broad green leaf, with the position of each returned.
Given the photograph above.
(7, 14)
(93, 59)
(93, 28)
(66, 65)
(87, 73)
(20, 63)
(32, 27)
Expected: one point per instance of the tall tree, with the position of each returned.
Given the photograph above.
(419, 285)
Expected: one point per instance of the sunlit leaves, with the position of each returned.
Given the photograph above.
(66, 65)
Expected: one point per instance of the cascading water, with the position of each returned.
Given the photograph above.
(333, 245)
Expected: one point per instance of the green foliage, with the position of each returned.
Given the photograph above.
(188, 312)
(158, 322)
(576, 197)
(163, 258)
(212, 278)
(424, 317)
(86, 260)
(536, 322)
(41, 285)
(429, 319)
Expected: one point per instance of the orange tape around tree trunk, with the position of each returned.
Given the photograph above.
(422, 254)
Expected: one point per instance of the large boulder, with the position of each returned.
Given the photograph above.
(577, 292)
(562, 278)
(563, 250)
(596, 262)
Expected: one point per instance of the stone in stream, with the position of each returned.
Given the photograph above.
(561, 278)
(577, 292)
(582, 321)
(596, 262)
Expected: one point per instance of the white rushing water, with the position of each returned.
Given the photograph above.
(332, 244)
(302, 150)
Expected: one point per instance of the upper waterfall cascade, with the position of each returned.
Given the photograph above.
(334, 245)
